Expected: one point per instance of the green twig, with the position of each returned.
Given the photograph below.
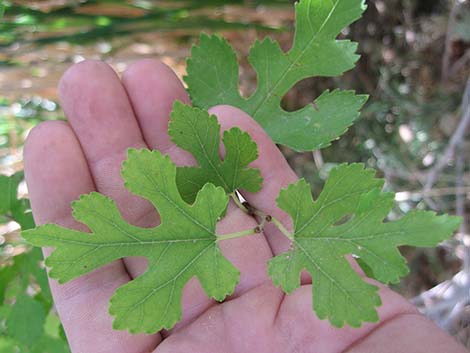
(239, 204)
(264, 218)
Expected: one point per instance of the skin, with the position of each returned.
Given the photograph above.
(106, 115)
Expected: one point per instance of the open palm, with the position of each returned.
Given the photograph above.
(106, 116)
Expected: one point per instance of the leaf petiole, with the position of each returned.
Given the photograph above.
(239, 204)
(241, 234)
(283, 229)
(265, 218)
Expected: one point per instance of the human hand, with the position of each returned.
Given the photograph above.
(106, 116)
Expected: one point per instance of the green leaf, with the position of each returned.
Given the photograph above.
(45, 339)
(182, 247)
(23, 215)
(347, 219)
(213, 76)
(7, 345)
(52, 325)
(7, 275)
(4, 311)
(9, 192)
(18, 209)
(197, 132)
(50, 345)
(24, 268)
(26, 320)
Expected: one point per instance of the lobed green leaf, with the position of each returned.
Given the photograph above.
(183, 246)
(197, 132)
(322, 240)
(213, 76)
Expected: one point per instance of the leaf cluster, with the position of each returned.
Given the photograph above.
(185, 244)
(347, 219)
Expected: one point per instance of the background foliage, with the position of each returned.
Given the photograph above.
(416, 60)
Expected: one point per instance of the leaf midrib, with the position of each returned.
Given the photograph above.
(206, 156)
(173, 280)
(107, 245)
(294, 62)
(331, 279)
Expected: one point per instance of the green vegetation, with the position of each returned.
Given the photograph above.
(31, 324)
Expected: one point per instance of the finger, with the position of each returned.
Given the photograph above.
(286, 323)
(422, 335)
(56, 174)
(274, 168)
(153, 88)
(99, 111)
(327, 338)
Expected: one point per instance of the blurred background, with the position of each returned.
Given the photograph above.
(415, 65)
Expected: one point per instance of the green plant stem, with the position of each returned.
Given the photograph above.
(237, 235)
(264, 218)
(283, 229)
(276, 222)
(238, 203)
